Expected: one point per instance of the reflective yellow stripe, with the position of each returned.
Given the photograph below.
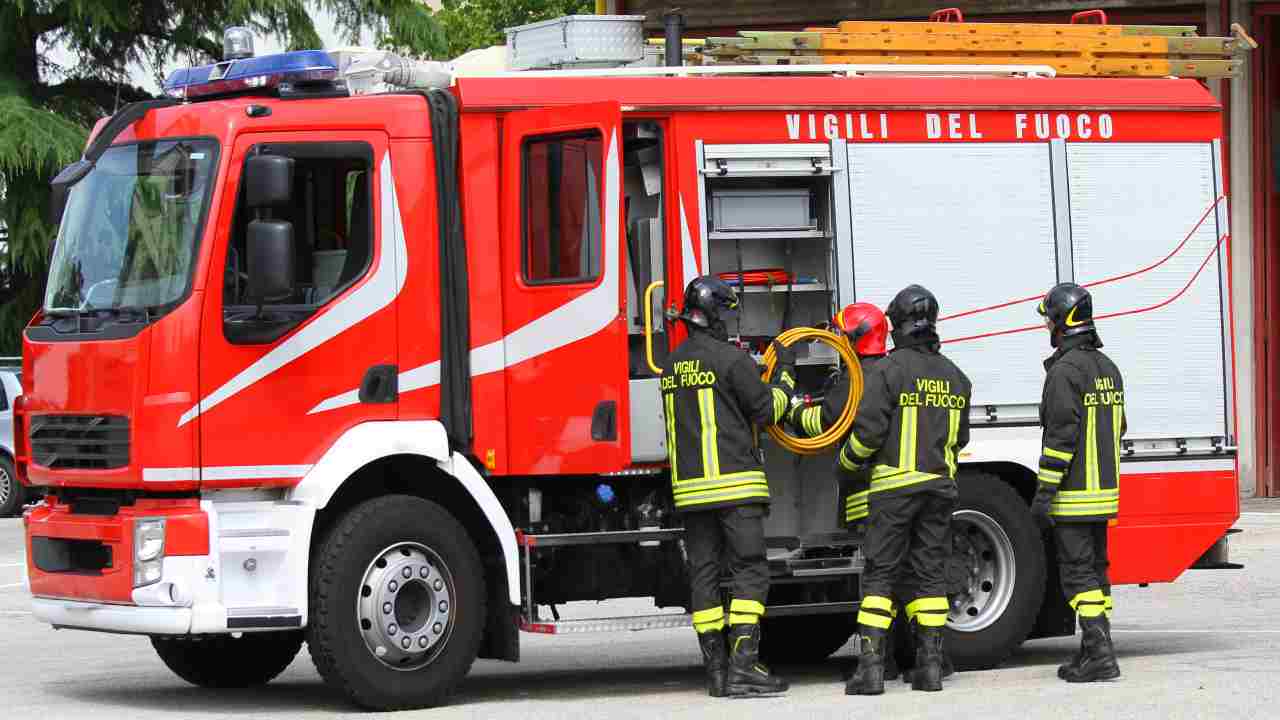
(720, 482)
(874, 620)
(1086, 511)
(877, 602)
(707, 428)
(859, 450)
(855, 514)
(845, 461)
(907, 442)
(742, 491)
(780, 401)
(743, 619)
(1049, 477)
(953, 435)
(1117, 420)
(887, 477)
(671, 437)
(751, 607)
(930, 619)
(788, 380)
(811, 419)
(1091, 450)
(1063, 456)
(926, 604)
(708, 615)
(1087, 596)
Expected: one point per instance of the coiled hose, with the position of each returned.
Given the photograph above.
(837, 432)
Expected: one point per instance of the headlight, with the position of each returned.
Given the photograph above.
(148, 539)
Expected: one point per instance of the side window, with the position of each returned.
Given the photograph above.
(331, 214)
(4, 398)
(562, 239)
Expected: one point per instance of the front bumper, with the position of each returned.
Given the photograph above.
(112, 618)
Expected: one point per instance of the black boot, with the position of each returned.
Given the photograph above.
(868, 678)
(715, 658)
(1072, 665)
(1097, 655)
(947, 668)
(747, 675)
(927, 674)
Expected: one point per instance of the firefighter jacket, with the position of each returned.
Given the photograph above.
(911, 423)
(1082, 411)
(813, 420)
(713, 398)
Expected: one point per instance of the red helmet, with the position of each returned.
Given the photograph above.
(866, 326)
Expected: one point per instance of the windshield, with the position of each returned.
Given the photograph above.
(128, 237)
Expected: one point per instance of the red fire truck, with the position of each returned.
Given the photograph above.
(372, 371)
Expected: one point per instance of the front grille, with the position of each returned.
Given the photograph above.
(83, 442)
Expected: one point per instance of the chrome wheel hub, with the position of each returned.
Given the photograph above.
(405, 606)
(983, 562)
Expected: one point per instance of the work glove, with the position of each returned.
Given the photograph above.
(786, 363)
(1040, 509)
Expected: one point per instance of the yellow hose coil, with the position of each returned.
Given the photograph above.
(837, 432)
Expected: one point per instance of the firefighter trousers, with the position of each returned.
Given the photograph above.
(908, 542)
(1082, 564)
(733, 539)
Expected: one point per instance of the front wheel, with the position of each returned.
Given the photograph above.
(998, 562)
(397, 604)
(226, 661)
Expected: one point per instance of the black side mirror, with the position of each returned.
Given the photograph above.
(270, 261)
(268, 181)
(62, 184)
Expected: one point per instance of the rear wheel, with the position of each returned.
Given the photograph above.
(397, 604)
(998, 562)
(12, 494)
(225, 661)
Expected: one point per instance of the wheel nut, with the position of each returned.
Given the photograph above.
(422, 642)
(407, 573)
(437, 628)
(391, 629)
(423, 572)
(406, 643)
(386, 608)
(444, 606)
(439, 585)
(393, 586)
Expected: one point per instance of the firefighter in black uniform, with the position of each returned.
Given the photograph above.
(1082, 411)
(910, 426)
(713, 400)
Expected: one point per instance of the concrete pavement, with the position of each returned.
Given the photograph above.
(1207, 646)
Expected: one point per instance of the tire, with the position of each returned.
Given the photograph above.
(803, 639)
(12, 493)
(993, 528)
(363, 606)
(224, 661)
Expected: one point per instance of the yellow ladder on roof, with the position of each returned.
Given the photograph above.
(1078, 49)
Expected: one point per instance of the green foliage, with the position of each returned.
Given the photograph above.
(471, 24)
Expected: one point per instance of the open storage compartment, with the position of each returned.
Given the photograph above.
(769, 228)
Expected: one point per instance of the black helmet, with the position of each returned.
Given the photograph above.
(914, 310)
(706, 300)
(1069, 308)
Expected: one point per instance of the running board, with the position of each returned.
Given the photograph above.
(668, 620)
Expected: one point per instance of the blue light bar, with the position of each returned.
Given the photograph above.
(232, 76)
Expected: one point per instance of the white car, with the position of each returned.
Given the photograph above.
(12, 495)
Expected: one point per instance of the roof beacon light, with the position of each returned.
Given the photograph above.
(237, 43)
(288, 70)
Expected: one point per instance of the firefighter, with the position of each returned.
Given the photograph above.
(910, 425)
(713, 398)
(1082, 412)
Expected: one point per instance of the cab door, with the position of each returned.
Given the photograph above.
(278, 377)
(564, 317)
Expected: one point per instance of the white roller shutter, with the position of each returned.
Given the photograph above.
(974, 223)
(1131, 204)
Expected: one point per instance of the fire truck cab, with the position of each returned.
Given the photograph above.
(372, 371)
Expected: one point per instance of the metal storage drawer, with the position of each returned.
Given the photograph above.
(761, 210)
(576, 40)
